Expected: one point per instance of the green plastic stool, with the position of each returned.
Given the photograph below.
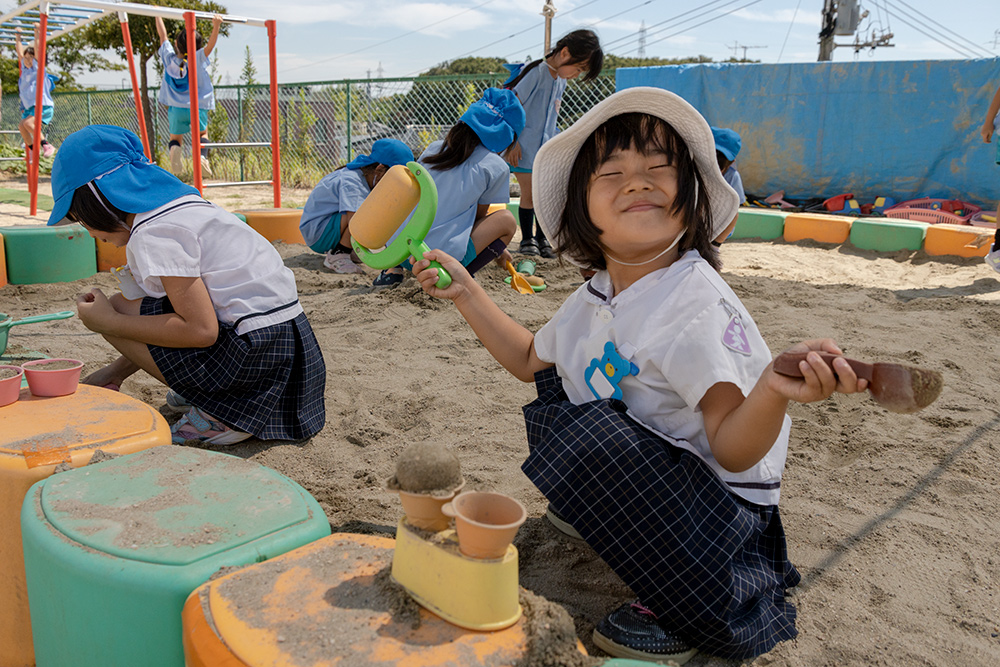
(759, 224)
(48, 254)
(113, 550)
(887, 235)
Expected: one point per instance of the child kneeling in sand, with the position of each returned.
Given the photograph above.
(221, 324)
(659, 432)
(332, 203)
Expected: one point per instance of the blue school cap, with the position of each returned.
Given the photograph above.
(389, 152)
(727, 142)
(496, 119)
(112, 157)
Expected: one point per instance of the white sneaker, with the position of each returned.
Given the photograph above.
(206, 168)
(341, 263)
(175, 159)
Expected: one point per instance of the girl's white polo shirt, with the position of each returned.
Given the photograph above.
(659, 346)
(249, 285)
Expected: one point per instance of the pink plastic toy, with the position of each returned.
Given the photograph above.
(53, 377)
(10, 388)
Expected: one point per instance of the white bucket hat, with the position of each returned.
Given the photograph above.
(555, 159)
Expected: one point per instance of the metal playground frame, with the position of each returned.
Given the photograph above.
(58, 18)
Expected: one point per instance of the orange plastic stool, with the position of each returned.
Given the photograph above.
(276, 224)
(37, 435)
(961, 240)
(109, 256)
(299, 596)
(817, 227)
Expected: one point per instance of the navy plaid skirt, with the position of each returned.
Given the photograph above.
(712, 566)
(268, 382)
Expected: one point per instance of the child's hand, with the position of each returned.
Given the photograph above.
(986, 131)
(818, 381)
(94, 309)
(502, 260)
(513, 155)
(428, 276)
(216, 22)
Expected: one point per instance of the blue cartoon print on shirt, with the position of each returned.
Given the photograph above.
(605, 374)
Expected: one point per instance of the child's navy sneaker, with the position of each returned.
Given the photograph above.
(386, 279)
(631, 631)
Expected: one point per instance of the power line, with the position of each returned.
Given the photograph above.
(714, 18)
(790, 24)
(942, 27)
(391, 39)
(965, 53)
(672, 19)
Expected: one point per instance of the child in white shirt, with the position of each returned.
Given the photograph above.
(660, 430)
(221, 323)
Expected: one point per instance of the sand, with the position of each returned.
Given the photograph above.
(891, 518)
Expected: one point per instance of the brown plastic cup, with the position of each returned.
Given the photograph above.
(486, 522)
(424, 511)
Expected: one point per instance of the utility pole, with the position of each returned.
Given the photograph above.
(642, 40)
(826, 32)
(736, 46)
(548, 11)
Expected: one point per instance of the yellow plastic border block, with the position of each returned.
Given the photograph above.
(37, 435)
(496, 207)
(759, 224)
(817, 227)
(885, 235)
(276, 224)
(330, 583)
(3, 264)
(961, 240)
(109, 256)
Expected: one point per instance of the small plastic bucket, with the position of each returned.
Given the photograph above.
(10, 387)
(486, 522)
(53, 377)
(424, 511)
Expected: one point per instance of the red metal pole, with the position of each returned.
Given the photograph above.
(275, 147)
(43, 26)
(192, 70)
(139, 114)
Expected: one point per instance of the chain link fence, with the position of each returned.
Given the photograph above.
(322, 125)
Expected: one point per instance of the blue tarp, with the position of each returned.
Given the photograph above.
(903, 129)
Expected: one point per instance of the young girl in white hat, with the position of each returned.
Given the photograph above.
(659, 432)
(218, 319)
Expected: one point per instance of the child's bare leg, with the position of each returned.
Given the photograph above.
(135, 355)
(27, 129)
(499, 225)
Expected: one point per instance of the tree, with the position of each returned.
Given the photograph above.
(107, 34)
(468, 66)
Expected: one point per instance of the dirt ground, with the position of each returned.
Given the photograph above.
(890, 518)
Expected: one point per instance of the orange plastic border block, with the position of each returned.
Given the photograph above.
(817, 227)
(3, 264)
(331, 583)
(276, 224)
(961, 240)
(496, 207)
(109, 256)
(36, 435)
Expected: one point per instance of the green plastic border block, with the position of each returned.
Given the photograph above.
(240, 216)
(48, 254)
(887, 235)
(759, 224)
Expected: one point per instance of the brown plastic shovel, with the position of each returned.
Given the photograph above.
(895, 387)
(519, 282)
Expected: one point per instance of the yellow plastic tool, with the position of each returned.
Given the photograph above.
(384, 211)
(471, 593)
(518, 282)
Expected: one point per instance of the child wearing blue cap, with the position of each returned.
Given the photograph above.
(991, 125)
(27, 86)
(175, 95)
(540, 90)
(333, 201)
(221, 323)
(727, 147)
(470, 175)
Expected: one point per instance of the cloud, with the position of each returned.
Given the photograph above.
(782, 16)
(385, 14)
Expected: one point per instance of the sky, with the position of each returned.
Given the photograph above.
(319, 40)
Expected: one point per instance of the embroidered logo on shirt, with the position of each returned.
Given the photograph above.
(605, 373)
(735, 336)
